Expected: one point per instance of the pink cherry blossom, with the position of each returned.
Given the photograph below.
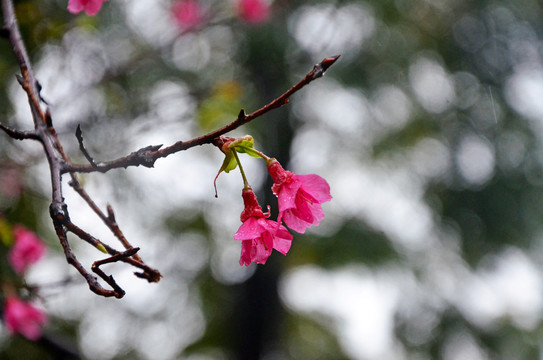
(187, 13)
(27, 250)
(91, 7)
(253, 11)
(23, 318)
(299, 196)
(259, 235)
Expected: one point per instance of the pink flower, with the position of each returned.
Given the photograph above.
(187, 13)
(258, 234)
(91, 7)
(253, 11)
(299, 196)
(23, 318)
(27, 250)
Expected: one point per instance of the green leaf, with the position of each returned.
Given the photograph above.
(229, 163)
(249, 151)
(245, 145)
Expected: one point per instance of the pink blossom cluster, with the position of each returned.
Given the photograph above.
(258, 234)
(188, 14)
(299, 197)
(91, 7)
(22, 317)
(253, 11)
(27, 250)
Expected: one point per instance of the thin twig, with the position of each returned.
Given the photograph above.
(59, 163)
(109, 220)
(94, 285)
(148, 155)
(19, 135)
(79, 136)
(57, 159)
(119, 293)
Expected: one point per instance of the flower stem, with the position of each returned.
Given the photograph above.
(245, 182)
(267, 158)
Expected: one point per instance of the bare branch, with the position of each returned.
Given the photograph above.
(79, 136)
(58, 160)
(109, 220)
(94, 285)
(119, 293)
(59, 164)
(148, 155)
(19, 135)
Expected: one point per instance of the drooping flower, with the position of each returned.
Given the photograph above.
(187, 13)
(91, 7)
(259, 235)
(253, 11)
(23, 318)
(299, 196)
(27, 250)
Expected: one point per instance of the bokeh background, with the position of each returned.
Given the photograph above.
(428, 129)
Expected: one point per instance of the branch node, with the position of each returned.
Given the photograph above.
(59, 212)
(19, 135)
(144, 155)
(242, 115)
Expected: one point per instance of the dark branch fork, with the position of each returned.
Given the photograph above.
(60, 164)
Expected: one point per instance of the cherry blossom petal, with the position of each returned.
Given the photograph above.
(27, 250)
(317, 212)
(93, 6)
(287, 196)
(75, 6)
(283, 240)
(294, 222)
(23, 318)
(303, 210)
(187, 13)
(316, 186)
(253, 11)
(250, 229)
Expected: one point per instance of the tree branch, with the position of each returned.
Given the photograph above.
(19, 135)
(57, 160)
(59, 164)
(148, 155)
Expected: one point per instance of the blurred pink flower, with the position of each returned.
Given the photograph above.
(23, 318)
(299, 197)
(187, 13)
(258, 234)
(27, 250)
(91, 7)
(253, 11)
